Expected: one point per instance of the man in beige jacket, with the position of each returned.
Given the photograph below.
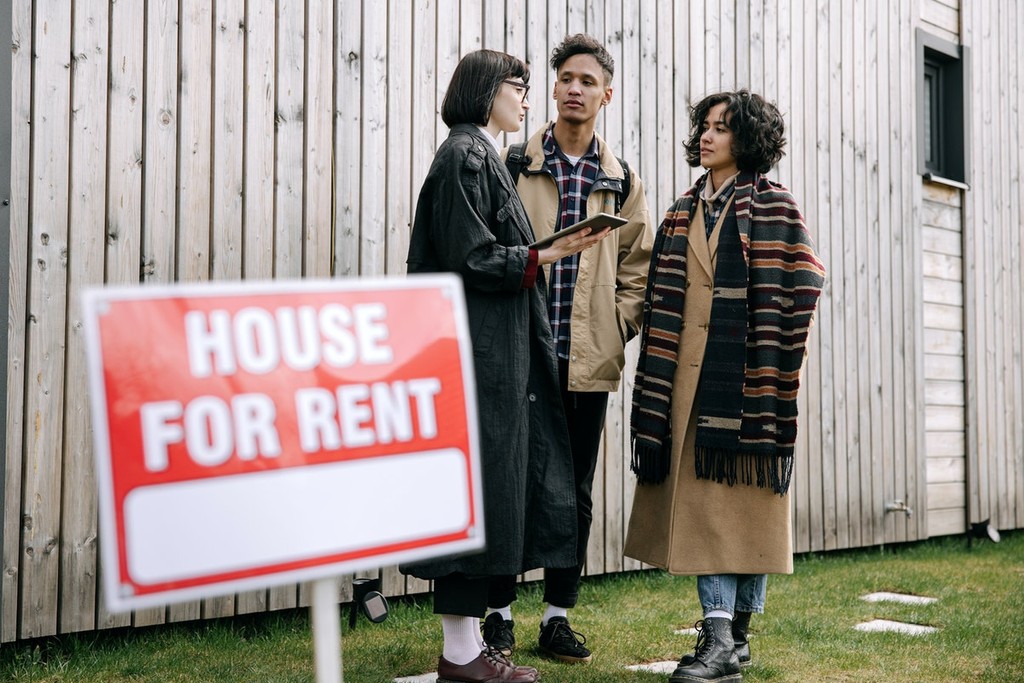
(565, 174)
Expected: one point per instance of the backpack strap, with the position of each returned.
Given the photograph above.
(516, 160)
(627, 181)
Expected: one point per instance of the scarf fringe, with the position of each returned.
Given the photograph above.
(650, 462)
(766, 470)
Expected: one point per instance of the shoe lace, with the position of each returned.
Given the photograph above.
(704, 643)
(564, 632)
(495, 656)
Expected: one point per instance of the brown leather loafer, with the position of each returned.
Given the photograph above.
(489, 667)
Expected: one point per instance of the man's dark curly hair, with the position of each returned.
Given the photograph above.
(582, 44)
(758, 131)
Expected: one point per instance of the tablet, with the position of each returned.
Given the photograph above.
(599, 221)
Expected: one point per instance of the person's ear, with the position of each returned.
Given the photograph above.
(607, 96)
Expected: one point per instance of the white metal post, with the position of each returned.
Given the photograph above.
(325, 618)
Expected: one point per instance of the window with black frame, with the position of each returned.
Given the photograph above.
(941, 109)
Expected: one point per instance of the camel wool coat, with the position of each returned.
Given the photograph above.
(698, 526)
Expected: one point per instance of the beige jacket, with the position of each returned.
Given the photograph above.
(608, 299)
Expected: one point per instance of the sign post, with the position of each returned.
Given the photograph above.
(326, 631)
(257, 434)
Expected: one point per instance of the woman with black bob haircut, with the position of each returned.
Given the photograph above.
(475, 84)
(733, 284)
(469, 220)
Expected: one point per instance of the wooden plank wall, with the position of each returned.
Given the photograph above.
(21, 117)
(943, 292)
(9, 220)
(941, 18)
(993, 253)
(945, 437)
(185, 140)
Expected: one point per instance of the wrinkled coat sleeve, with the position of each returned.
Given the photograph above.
(635, 241)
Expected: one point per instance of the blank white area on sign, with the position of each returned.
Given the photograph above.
(205, 527)
(896, 627)
(898, 597)
(424, 678)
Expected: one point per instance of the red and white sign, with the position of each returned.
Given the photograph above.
(249, 435)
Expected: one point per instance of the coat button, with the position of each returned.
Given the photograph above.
(604, 183)
(532, 397)
(572, 382)
(572, 357)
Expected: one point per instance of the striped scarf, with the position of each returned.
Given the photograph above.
(767, 282)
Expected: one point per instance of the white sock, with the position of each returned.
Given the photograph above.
(478, 636)
(553, 611)
(718, 614)
(505, 612)
(460, 634)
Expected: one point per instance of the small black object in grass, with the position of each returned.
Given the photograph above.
(367, 598)
(982, 530)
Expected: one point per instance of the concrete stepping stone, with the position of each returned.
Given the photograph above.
(425, 678)
(663, 667)
(655, 667)
(898, 597)
(881, 625)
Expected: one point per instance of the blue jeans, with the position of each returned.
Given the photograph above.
(732, 592)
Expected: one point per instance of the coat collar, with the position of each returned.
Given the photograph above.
(610, 166)
(474, 131)
(740, 203)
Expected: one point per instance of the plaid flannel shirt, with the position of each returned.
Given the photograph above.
(574, 184)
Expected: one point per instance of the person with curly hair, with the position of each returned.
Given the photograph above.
(733, 284)
(595, 302)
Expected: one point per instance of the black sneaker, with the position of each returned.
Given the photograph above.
(558, 640)
(498, 633)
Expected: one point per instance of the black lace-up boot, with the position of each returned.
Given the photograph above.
(714, 659)
(740, 624)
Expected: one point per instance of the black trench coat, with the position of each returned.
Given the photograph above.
(469, 221)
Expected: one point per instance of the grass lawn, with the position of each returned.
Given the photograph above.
(806, 635)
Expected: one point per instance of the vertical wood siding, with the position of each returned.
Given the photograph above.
(88, 135)
(159, 141)
(993, 254)
(47, 313)
(21, 118)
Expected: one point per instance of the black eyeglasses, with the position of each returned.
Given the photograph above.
(525, 87)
